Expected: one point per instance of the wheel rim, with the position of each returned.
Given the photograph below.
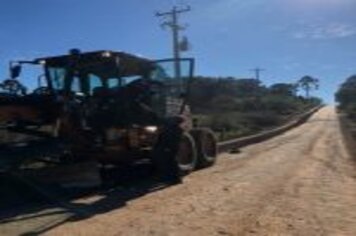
(185, 155)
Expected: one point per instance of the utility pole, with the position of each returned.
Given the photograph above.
(171, 20)
(257, 72)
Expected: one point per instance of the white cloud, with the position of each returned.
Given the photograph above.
(325, 31)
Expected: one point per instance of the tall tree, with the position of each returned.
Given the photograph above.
(308, 83)
(346, 95)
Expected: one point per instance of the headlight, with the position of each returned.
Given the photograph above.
(106, 54)
(151, 129)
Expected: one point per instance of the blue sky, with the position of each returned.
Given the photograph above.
(289, 38)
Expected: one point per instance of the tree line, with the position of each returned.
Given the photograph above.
(237, 107)
(346, 96)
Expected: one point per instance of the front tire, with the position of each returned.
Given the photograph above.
(186, 156)
(174, 154)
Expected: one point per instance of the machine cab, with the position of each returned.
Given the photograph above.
(114, 74)
(106, 77)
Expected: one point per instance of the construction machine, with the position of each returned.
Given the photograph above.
(103, 107)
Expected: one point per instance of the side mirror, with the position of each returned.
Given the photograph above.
(15, 71)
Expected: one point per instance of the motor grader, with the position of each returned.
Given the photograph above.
(103, 106)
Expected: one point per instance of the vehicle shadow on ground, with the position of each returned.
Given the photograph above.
(122, 185)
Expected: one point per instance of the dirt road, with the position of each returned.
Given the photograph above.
(300, 183)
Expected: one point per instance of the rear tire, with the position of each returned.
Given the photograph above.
(207, 150)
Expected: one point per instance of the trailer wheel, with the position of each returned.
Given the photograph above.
(206, 147)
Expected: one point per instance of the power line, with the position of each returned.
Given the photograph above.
(171, 21)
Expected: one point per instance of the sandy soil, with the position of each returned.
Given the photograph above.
(300, 183)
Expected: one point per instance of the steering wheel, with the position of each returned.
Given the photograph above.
(13, 87)
(144, 85)
(42, 91)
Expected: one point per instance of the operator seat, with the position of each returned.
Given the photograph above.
(101, 92)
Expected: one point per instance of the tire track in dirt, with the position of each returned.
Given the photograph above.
(248, 222)
(319, 198)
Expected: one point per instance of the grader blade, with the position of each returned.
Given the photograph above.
(74, 175)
